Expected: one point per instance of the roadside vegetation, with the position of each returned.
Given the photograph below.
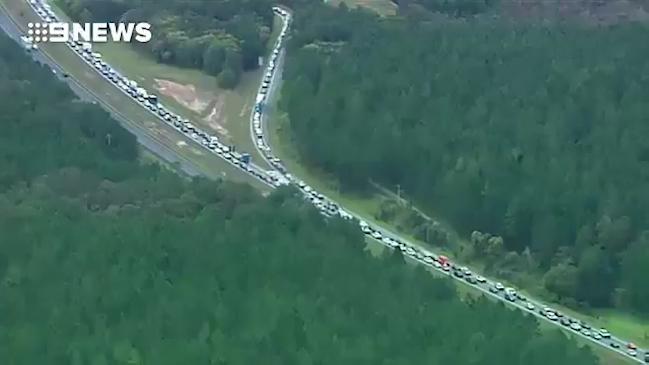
(220, 37)
(523, 138)
(107, 261)
(381, 7)
(129, 112)
(193, 93)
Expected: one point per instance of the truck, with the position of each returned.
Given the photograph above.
(510, 294)
(245, 158)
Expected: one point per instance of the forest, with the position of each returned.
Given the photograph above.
(423, 9)
(105, 260)
(532, 133)
(221, 37)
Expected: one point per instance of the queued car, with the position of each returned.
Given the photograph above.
(150, 101)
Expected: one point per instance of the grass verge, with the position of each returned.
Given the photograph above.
(226, 112)
(130, 112)
(624, 325)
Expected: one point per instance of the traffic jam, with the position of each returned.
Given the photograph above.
(279, 176)
(150, 101)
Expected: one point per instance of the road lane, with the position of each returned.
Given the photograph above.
(419, 254)
(608, 343)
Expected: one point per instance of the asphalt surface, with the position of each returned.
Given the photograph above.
(537, 307)
(142, 134)
(165, 153)
(409, 248)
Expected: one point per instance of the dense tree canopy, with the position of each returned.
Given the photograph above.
(217, 36)
(529, 132)
(458, 8)
(104, 261)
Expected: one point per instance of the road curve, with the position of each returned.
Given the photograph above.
(423, 256)
(327, 206)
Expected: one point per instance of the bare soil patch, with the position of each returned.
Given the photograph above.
(216, 119)
(185, 95)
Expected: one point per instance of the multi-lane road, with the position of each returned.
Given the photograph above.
(486, 286)
(390, 239)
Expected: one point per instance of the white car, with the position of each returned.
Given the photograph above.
(391, 242)
(530, 306)
(429, 260)
(481, 279)
(604, 333)
(500, 286)
(632, 352)
(575, 326)
(437, 265)
(377, 235)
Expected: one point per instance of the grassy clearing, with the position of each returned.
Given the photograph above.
(381, 7)
(232, 107)
(634, 327)
(126, 109)
(365, 205)
(624, 325)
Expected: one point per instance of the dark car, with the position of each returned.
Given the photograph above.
(615, 345)
(565, 321)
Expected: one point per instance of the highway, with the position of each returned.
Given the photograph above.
(149, 142)
(419, 254)
(388, 238)
(154, 143)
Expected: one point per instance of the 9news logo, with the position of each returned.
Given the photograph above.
(89, 32)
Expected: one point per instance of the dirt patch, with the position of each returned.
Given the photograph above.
(244, 110)
(185, 95)
(216, 118)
